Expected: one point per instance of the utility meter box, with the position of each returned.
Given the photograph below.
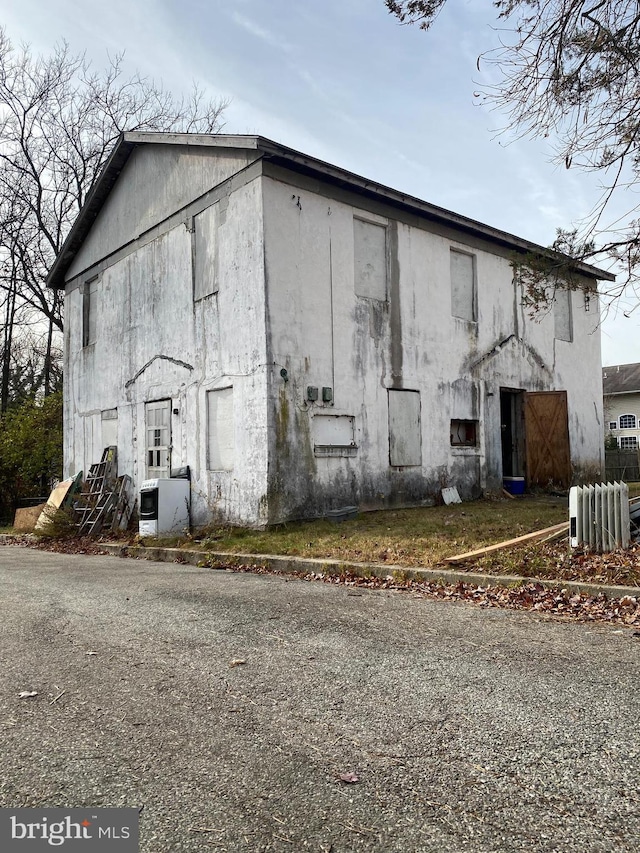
(164, 506)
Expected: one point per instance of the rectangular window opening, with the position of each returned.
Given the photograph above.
(220, 430)
(463, 286)
(204, 249)
(89, 311)
(563, 325)
(405, 436)
(464, 433)
(370, 259)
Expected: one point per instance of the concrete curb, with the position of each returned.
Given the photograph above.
(335, 568)
(289, 565)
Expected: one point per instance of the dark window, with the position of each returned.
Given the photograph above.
(464, 433)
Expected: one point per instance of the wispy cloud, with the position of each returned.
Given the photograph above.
(262, 33)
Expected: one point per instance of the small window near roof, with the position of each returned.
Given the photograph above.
(563, 324)
(370, 259)
(89, 312)
(627, 421)
(613, 424)
(463, 286)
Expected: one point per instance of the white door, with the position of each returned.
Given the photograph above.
(158, 434)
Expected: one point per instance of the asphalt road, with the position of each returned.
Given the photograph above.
(468, 729)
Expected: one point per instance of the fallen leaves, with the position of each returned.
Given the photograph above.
(349, 778)
(237, 662)
(533, 595)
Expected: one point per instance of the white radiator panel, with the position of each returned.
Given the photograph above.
(599, 516)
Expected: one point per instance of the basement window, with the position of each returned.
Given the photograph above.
(464, 433)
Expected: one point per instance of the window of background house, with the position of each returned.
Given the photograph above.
(89, 312)
(464, 433)
(220, 430)
(205, 252)
(405, 439)
(613, 424)
(627, 421)
(463, 286)
(628, 442)
(562, 314)
(370, 259)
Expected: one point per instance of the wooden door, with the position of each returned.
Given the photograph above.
(547, 438)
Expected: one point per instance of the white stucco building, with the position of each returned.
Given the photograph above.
(306, 339)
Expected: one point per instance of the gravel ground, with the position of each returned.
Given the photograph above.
(468, 729)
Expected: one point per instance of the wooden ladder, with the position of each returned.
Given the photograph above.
(98, 497)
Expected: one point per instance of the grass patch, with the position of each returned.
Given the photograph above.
(422, 536)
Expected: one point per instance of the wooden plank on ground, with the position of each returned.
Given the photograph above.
(528, 537)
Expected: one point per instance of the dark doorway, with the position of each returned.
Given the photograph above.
(512, 431)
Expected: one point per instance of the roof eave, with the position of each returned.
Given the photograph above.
(296, 161)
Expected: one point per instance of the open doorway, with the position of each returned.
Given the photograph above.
(512, 432)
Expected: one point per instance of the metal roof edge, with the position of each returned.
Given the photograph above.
(298, 161)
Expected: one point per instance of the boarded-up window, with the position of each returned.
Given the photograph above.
(405, 443)
(220, 433)
(370, 259)
(334, 435)
(463, 286)
(89, 312)
(205, 252)
(109, 423)
(562, 314)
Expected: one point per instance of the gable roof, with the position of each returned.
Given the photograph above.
(621, 379)
(297, 162)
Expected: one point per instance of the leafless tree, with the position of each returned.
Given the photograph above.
(569, 71)
(59, 118)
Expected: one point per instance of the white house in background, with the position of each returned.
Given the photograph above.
(621, 389)
(305, 339)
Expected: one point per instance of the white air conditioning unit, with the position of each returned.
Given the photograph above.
(599, 516)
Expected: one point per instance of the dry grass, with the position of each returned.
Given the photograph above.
(407, 537)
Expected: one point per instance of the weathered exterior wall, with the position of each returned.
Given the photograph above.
(156, 181)
(155, 342)
(325, 335)
(215, 273)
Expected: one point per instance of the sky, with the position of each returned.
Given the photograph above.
(343, 81)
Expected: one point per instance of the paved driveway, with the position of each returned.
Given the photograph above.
(469, 729)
